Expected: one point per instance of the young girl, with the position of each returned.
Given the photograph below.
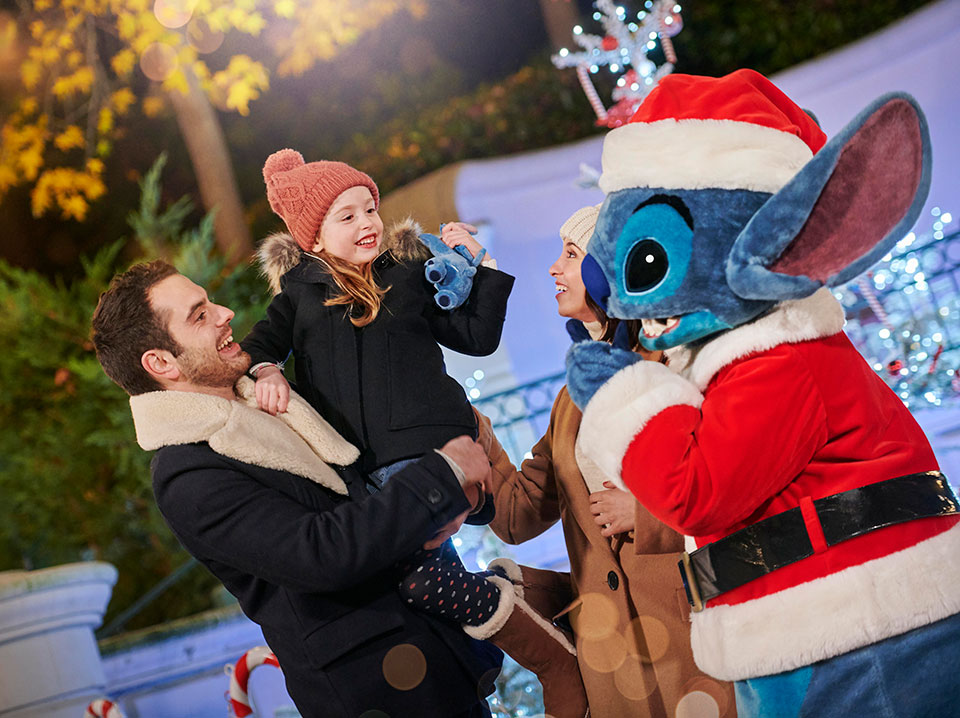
(358, 315)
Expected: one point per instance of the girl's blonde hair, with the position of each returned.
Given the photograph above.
(358, 290)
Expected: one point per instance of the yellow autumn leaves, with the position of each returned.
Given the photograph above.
(80, 58)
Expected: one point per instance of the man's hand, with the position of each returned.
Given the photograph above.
(447, 531)
(470, 457)
(273, 391)
(613, 510)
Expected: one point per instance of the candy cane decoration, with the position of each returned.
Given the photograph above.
(240, 675)
(583, 74)
(102, 708)
(874, 303)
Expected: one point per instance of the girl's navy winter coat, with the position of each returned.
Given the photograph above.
(384, 387)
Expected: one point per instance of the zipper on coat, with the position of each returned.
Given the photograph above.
(358, 341)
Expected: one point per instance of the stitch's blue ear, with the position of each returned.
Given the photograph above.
(843, 211)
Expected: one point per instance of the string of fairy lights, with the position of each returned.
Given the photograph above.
(903, 314)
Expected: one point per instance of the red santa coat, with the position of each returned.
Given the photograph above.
(768, 417)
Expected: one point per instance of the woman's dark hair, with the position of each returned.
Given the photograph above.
(610, 324)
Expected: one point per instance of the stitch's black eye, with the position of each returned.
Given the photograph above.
(646, 266)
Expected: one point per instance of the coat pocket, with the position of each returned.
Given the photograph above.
(420, 391)
(344, 634)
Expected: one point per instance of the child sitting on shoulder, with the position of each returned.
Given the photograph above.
(357, 313)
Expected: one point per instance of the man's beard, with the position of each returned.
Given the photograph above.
(208, 368)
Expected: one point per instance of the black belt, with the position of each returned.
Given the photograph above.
(782, 539)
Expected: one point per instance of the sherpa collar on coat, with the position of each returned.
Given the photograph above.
(299, 441)
(279, 253)
(790, 322)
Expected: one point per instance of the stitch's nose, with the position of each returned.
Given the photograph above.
(594, 281)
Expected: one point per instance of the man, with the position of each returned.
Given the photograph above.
(269, 505)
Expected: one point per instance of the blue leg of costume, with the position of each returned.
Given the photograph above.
(907, 676)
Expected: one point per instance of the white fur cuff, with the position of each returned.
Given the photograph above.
(492, 625)
(622, 407)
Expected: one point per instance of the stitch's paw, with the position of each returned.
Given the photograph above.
(589, 366)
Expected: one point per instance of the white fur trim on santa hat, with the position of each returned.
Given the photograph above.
(700, 154)
(623, 406)
(832, 615)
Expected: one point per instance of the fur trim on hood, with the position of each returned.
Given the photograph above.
(299, 441)
(279, 253)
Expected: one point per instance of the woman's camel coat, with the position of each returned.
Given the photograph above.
(629, 612)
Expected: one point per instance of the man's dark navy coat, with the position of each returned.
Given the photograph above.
(315, 564)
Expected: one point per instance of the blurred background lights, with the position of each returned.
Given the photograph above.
(404, 666)
(202, 38)
(158, 61)
(173, 13)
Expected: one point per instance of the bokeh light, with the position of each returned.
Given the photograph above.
(697, 705)
(604, 655)
(173, 13)
(632, 681)
(595, 618)
(202, 38)
(158, 61)
(652, 637)
(404, 666)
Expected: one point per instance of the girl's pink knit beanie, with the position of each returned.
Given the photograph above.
(301, 192)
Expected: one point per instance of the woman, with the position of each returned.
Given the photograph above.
(629, 613)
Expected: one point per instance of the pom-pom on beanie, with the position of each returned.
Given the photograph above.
(301, 192)
(579, 227)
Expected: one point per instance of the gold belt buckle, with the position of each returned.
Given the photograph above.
(690, 583)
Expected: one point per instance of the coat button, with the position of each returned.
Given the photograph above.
(613, 581)
(434, 496)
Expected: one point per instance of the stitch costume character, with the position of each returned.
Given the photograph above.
(825, 581)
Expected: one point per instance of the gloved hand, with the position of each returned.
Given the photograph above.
(590, 364)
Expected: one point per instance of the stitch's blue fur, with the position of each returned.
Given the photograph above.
(589, 365)
(723, 273)
(719, 275)
(768, 234)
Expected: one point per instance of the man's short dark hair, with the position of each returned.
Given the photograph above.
(125, 326)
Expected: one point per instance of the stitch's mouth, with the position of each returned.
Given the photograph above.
(653, 328)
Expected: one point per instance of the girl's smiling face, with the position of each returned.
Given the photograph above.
(571, 294)
(352, 230)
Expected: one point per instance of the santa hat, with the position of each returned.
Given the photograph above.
(733, 132)
(301, 193)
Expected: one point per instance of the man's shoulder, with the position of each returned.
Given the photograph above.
(176, 460)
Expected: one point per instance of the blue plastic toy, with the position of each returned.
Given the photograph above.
(450, 271)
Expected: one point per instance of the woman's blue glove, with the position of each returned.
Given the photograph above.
(590, 364)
